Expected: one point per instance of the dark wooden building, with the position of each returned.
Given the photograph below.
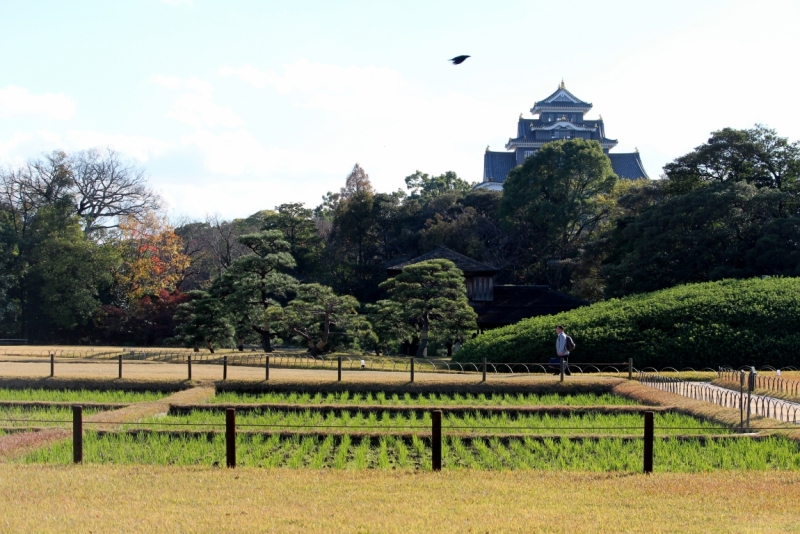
(498, 305)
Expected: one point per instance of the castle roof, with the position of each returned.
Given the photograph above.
(628, 165)
(467, 265)
(497, 165)
(561, 100)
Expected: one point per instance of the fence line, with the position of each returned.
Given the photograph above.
(747, 404)
(773, 383)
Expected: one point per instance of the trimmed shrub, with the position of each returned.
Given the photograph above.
(730, 322)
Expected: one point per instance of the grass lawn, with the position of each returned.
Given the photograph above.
(423, 399)
(97, 498)
(81, 395)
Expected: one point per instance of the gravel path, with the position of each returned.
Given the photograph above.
(763, 405)
(24, 366)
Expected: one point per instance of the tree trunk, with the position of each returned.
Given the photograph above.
(265, 340)
(211, 347)
(422, 350)
(240, 345)
(449, 349)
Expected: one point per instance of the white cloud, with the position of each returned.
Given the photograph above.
(195, 106)
(18, 101)
(23, 145)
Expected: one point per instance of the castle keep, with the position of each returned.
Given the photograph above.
(559, 116)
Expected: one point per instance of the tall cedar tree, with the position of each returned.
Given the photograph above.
(432, 296)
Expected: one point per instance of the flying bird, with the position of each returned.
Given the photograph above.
(458, 60)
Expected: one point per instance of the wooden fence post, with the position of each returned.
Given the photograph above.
(412, 369)
(52, 364)
(224, 367)
(484, 370)
(77, 434)
(230, 437)
(266, 369)
(189, 365)
(436, 440)
(338, 368)
(648, 442)
(630, 368)
(120, 367)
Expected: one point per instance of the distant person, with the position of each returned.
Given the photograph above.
(563, 342)
(363, 365)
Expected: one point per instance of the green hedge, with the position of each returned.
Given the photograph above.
(731, 322)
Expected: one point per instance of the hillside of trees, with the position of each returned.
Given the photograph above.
(87, 254)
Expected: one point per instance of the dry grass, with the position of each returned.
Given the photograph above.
(161, 499)
(734, 386)
(701, 410)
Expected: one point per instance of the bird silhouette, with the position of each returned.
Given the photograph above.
(458, 60)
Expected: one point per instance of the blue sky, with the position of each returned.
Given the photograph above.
(233, 107)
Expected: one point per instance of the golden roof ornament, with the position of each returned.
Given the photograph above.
(562, 84)
(487, 148)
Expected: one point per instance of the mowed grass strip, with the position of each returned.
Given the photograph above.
(78, 396)
(103, 498)
(375, 421)
(23, 416)
(424, 399)
(390, 452)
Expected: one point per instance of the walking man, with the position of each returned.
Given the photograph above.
(561, 347)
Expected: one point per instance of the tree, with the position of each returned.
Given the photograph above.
(389, 324)
(299, 229)
(203, 321)
(720, 231)
(152, 256)
(557, 200)
(255, 285)
(109, 190)
(317, 313)
(756, 156)
(432, 296)
(425, 186)
(357, 183)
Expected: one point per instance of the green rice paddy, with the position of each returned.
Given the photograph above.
(78, 395)
(430, 399)
(16, 416)
(388, 452)
(373, 421)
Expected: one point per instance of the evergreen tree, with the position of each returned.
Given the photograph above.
(203, 321)
(255, 286)
(317, 314)
(432, 296)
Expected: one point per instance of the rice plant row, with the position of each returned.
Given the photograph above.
(430, 399)
(21, 416)
(78, 395)
(388, 452)
(590, 423)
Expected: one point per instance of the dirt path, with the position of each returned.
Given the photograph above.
(28, 367)
(22, 442)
